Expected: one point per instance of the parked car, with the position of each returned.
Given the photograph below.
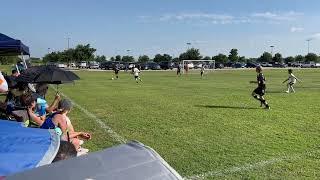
(296, 64)
(108, 65)
(93, 65)
(250, 65)
(266, 64)
(166, 65)
(150, 66)
(279, 65)
(239, 65)
(308, 65)
(82, 64)
(317, 65)
(61, 65)
(218, 66)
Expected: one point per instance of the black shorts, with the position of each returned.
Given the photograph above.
(260, 91)
(291, 83)
(136, 77)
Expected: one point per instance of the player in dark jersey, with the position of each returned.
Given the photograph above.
(116, 71)
(179, 70)
(259, 92)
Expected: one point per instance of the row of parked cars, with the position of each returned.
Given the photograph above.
(110, 65)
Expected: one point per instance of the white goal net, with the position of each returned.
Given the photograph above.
(193, 66)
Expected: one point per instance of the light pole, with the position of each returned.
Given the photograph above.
(271, 49)
(188, 45)
(128, 52)
(308, 40)
(68, 38)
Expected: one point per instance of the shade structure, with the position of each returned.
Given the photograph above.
(47, 74)
(23, 148)
(126, 161)
(10, 46)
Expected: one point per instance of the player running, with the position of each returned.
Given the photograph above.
(202, 71)
(292, 79)
(179, 69)
(259, 92)
(136, 73)
(116, 71)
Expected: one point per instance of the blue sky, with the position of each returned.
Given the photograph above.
(165, 26)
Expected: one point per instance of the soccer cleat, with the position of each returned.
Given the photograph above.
(267, 107)
(287, 92)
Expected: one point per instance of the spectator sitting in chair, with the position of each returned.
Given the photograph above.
(58, 121)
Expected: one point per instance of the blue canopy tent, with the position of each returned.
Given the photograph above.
(10, 46)
(24, 148)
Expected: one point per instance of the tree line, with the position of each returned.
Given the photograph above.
(87, 53)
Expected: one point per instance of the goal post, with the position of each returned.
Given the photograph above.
(197, 64)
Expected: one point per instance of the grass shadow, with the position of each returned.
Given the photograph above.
(275, 92)
(224, 107)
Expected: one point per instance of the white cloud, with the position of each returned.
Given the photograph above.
(314, 36)
(223, 19)
(284, 16)
(195, 16)
(296, 29)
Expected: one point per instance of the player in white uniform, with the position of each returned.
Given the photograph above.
(136, 73)
(292, 79)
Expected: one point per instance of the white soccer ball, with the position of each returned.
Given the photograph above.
(112, 78)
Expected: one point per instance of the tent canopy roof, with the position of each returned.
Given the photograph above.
(10, 46)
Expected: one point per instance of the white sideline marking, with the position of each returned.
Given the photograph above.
(246, 167)
(107, 128)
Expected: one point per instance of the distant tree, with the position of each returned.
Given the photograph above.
(242, 59)
(100, 58)
(220, 58)
(311, 57)
(9, 59)
(277, 58)
(265, 57)
(191, 54)
(289, 59)
(207, 58)
(161, 58)
(118, 58)
(252, 60)
(167, 57)
(299, 58)
(175, 59)
(127, 59)
(143, 58)
(84, 52)
(233, 56)
(112, 59)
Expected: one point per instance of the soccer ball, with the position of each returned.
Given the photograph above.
(112, 78)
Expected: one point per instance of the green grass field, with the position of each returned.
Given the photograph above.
(208, 126)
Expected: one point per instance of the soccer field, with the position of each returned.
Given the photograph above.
(210, 128)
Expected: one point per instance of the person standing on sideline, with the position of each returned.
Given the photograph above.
(292, 79)
(259, 92)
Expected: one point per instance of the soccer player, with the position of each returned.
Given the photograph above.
(292, 79)
(202, 71)
(179, 69)
(116, 71)
(136, 73)
(259, 92)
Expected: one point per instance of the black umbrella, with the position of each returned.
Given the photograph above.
(48, 75)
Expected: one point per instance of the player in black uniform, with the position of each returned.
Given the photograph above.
(116, 71)
(259, 92)
(179, 70)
